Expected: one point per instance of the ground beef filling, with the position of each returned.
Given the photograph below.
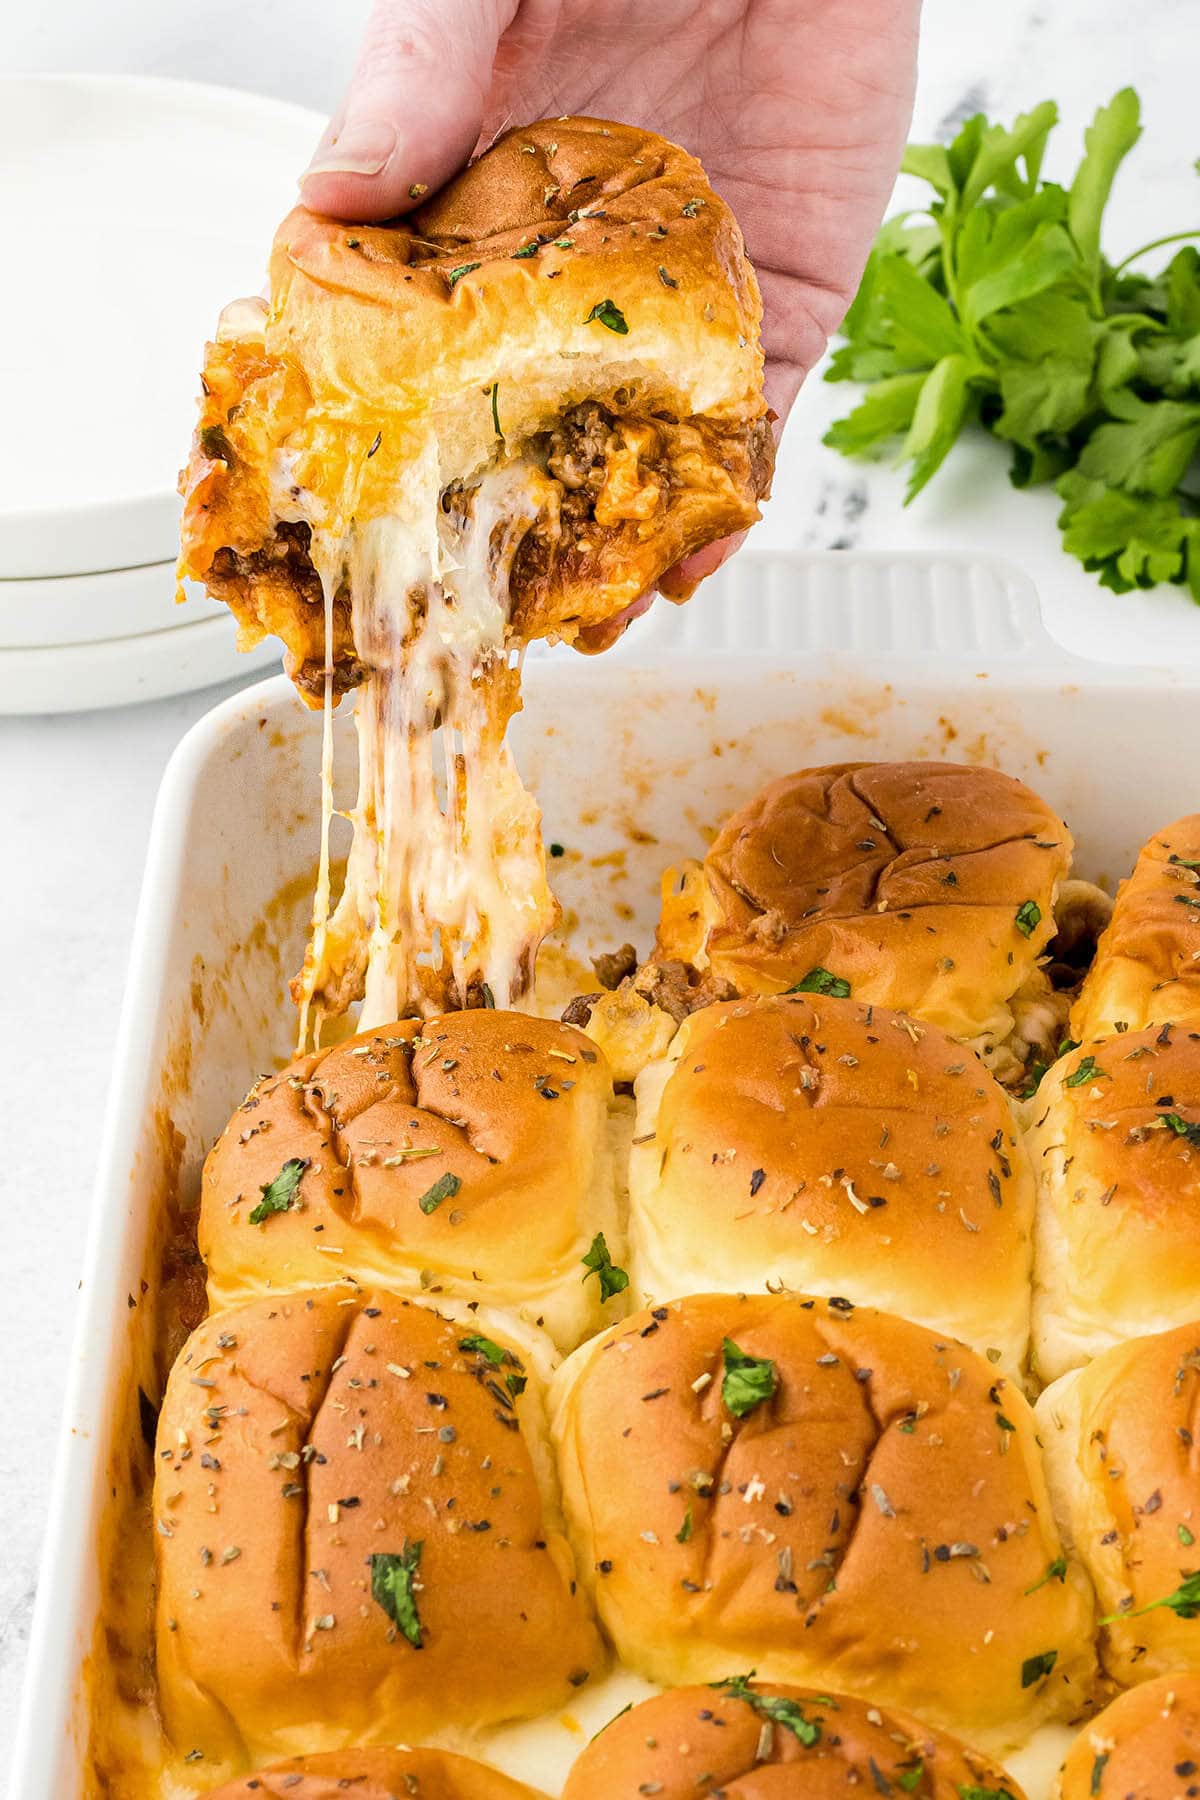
(621, 481)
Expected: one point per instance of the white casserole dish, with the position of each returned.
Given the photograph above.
(779, 663)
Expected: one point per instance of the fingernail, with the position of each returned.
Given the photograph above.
(361, 148)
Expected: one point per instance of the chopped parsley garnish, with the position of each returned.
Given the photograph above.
(456, 275)
(1034, 1074)
(484, 1346)
(608, 313)
(683, 1535)
(393, 1579)
(966, 1792)
(1067, 1045)
(1055, 1571)
(215, 444)
(516, 1384)
(910, 1778)
(613, 1280)
(1184, 1603)
(558, 850)
(444, 1188)
(1029, 917)
(822, 981)
(1036, 1668)
(1184, 1128)
(748, 1380)
(280, 1195)
(496, 409)
(530, 249)
(1185, 1537)
(1185, 862)
(1087, 1070)
(776, 1708)
(1098, 1768)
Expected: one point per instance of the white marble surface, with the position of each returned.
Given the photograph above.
(78, 791)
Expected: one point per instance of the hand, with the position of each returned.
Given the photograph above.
(798, 110)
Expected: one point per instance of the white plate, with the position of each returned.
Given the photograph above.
(131, 210)
(118, 671)
(778, 663)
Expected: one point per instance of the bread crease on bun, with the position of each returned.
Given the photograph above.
(357, 1532)
(1115, 1146)
(376, 1775)
(1147, 965)
(825, 1494)
(1146, 1743)
(504, 417)
(465, 1155)
(743, 1736)
(1124, 1469)
(833, 1148)
(928, 887)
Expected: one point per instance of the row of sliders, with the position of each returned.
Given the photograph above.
(362, 1493)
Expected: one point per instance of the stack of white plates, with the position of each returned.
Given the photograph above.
(132, 209)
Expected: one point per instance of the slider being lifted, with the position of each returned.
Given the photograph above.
(503, 418)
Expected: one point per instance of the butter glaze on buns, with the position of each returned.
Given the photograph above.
(905, 880)
(694, 1741)
(878, 1522)
(301, 1438)
(1147, 963)
(833, 1148)
(577, 263)
(1115, 1147)
(1124, 1470)
(1144, 1746)
(377, 1775)
(465, 1154)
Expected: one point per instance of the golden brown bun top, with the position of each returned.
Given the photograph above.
(792, 1124)
(1145, 1746)
(1134, 1480)
(1147, 963)
(376, 1775)
(401, 1454)
(1127, 1110)
(758, 1740)
(927, 886)
(502, 267)
(458, 1130)
(890, 1474)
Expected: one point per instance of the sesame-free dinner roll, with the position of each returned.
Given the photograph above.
(1124, 1471)
(376, 1775)
(828, 1495)
(924, 886)
(466, 1154)
(1144, 1746)
(1115, 1147)
(835, 1148)
(754, 1740)
(353, 1496)
(1147, 964)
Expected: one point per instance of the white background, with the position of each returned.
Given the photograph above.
(77, 792)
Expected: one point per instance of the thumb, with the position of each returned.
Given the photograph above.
(412, 114)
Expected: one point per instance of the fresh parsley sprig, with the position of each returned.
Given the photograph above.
(996, 305)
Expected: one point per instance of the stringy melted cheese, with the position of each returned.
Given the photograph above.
(445, 896)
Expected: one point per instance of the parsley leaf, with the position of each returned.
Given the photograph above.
(484, 1346)
(1087, 1069)
(748, 1380)
(444, 1188)
(1184, 1128)
(822, 981)
(995, 306)
(1055, 1571)
(775, 1707)
(280, 1195)
(1036, 1668)
(613, 1280)
(1029, 917)
(393, 1580)
(1184, 1603)
(610, 314)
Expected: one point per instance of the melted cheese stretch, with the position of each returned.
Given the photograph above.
(445, 889)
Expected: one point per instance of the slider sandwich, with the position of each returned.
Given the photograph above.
(755, 1738)
(825, 1494)
(502, 418)
(464, 1155)
(923, 886)
(357, 1532)
(1147, 965)
(1144, 1745)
